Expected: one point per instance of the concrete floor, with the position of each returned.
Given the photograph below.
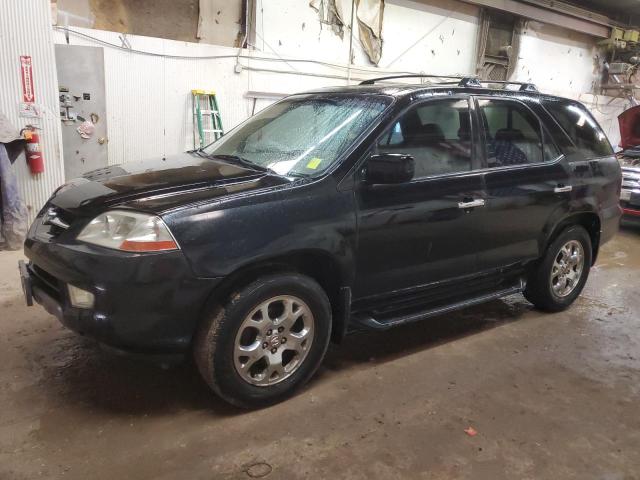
(551, 397)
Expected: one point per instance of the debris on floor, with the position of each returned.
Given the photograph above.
(472, 432)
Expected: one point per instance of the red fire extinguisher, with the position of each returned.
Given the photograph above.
(35, 158)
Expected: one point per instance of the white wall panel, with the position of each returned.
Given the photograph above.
(434, 36)
(25, 30)
(149, 97)
(566, 63)
(558, 61)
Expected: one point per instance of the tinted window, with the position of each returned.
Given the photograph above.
(513, 134)
(577, 122)
(436, 134)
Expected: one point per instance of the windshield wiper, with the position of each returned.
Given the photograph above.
(236, 160)
(240, 161)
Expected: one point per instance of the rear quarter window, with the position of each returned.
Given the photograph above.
(589, 141)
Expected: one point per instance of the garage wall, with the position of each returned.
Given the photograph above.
(158, 86)
(567, 63)
(148, 99)
(558, 61)
(437, 37)
(25, 30)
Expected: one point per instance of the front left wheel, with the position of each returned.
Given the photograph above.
(265, 341)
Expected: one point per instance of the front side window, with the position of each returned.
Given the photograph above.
(588, 139)
(436, 134)
(302, 135)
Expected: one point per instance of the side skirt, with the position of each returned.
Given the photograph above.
(369, 321)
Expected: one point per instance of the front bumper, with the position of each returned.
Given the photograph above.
(148, 303)
(630, 192)
(630, 202)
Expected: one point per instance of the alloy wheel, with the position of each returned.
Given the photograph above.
(567, 268)
(273, 340)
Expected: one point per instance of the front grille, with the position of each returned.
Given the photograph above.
(630, 179)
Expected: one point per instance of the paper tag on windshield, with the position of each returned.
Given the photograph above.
(313, 163)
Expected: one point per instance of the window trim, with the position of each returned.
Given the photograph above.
(416, 104)
(483, 138)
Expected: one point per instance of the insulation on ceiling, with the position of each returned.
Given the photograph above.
(335, 13)
(369, 13)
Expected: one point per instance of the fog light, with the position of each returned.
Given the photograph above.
(80, 298)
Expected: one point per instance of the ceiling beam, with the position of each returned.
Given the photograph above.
(590, 26)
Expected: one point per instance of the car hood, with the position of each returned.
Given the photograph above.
(629, 122)
(161, 184)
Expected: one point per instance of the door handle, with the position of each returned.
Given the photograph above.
(472, 204)
(563, 188)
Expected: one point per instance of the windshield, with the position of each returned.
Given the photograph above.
(302, 135)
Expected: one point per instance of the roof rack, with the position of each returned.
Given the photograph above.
(371, 81)
(457, 80)
(475, 82)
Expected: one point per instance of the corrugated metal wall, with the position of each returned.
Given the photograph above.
(25, 29)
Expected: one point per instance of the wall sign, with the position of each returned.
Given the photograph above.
(28, 93)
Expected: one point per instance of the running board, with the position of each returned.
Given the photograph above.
(368, 321)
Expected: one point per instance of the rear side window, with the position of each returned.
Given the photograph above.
(588, 139)
(513, 134)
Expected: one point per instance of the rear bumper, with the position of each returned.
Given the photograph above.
(147, 303)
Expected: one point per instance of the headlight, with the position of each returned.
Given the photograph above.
(129, 231)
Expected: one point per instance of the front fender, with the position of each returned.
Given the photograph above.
(219, 239)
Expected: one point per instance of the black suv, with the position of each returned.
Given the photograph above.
(368, 206)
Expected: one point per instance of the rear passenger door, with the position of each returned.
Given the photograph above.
(526, 181)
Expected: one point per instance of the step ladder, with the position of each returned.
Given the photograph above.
(207, 122)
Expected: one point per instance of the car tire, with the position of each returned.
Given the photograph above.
(560, 276)
(283, 346)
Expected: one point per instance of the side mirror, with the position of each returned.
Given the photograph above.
(389, 168)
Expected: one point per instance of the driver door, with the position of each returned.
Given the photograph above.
(418, 233)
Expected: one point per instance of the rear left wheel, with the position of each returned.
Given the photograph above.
(266, 341)
(560, 276)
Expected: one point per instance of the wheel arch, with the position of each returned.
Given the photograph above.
(591, 223)
(317, 264)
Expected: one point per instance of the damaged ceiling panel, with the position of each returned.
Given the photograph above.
(369, 14)
(336, 13)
